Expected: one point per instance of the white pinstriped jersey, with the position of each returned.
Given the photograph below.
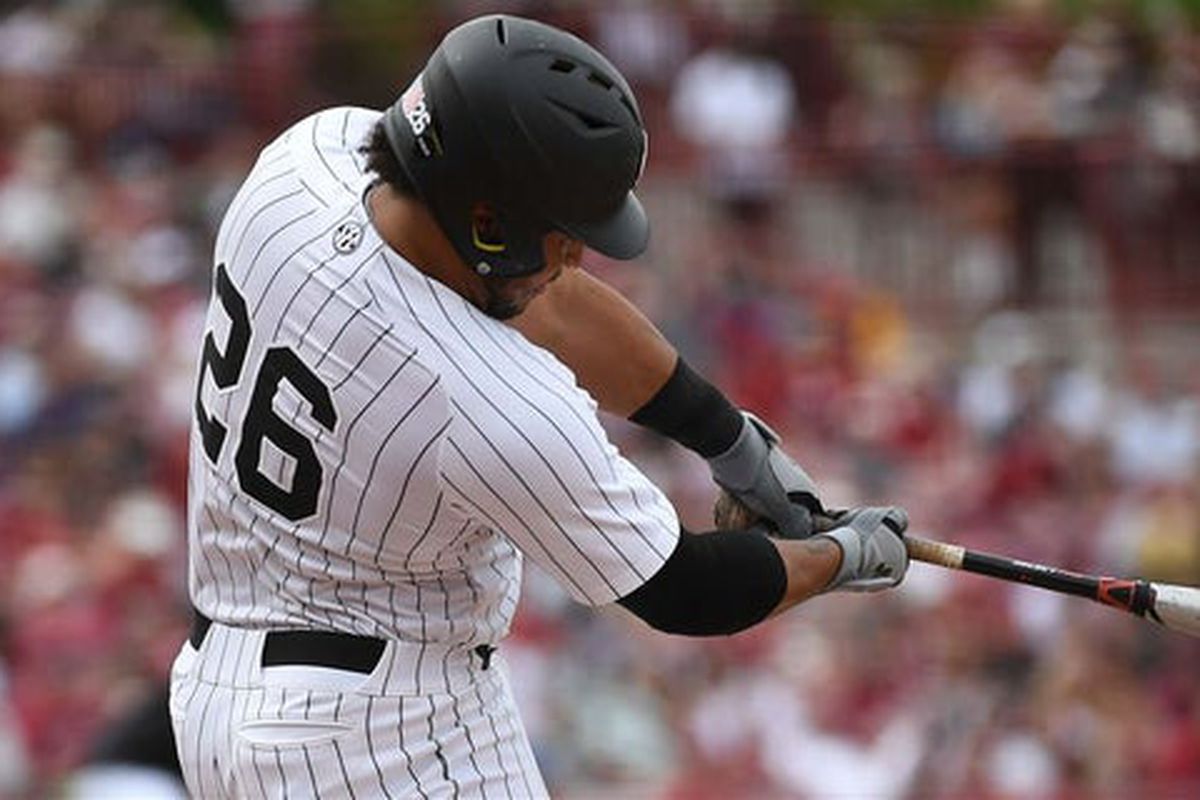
(373, 454)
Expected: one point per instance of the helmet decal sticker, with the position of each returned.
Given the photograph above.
(420, 118)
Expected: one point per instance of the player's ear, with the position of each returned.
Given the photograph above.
(487, 233)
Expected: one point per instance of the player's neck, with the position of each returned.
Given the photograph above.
(408, 228)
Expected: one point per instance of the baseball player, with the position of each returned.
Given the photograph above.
(397, 404)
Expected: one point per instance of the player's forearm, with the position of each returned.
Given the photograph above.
(810, 565)
(615, 351)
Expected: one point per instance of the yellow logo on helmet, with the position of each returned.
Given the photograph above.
(486, 232)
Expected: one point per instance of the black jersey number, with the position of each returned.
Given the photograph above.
(226, 367)
(261, 422)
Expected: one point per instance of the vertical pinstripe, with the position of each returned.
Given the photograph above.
(457, 448)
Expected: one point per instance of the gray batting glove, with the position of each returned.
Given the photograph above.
(873, 552)
(757, 472)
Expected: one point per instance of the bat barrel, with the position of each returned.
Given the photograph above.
(1176, 607)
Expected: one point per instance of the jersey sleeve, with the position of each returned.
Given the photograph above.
(526, 455)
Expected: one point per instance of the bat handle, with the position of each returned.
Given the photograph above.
(931, 552)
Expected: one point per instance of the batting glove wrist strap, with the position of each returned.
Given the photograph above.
(873, 552)
(757, 471)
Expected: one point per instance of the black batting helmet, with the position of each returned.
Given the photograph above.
(534, 124)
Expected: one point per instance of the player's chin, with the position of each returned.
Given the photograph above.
(510, 304)
(505, 308)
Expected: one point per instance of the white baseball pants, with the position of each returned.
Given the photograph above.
(426, 722)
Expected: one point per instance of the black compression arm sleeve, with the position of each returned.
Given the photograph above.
(713, 584)
(693, 412)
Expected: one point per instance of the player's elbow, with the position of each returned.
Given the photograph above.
(713, 584)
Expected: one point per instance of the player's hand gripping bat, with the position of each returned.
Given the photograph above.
(1175, 607)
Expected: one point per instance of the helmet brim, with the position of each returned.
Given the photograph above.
(622, 235)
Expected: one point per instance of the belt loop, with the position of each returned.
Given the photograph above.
(200, 626)
(484, 651)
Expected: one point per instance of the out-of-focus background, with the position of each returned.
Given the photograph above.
(950, 249)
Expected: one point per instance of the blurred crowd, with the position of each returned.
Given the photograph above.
(954, 259)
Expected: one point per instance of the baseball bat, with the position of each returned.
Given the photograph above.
(1172, 606)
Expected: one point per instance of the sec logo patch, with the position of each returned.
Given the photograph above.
(347, 237)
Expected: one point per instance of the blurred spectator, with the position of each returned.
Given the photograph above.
(1156, 434)
(22, 389)
(1079, 403)
(16, 770)
(1170, 109)
(1095, 78)
(34, 42)
(990, 395)
(986, 102)
(882, 117)
(735, 104)
(646, 40)
(40, 202)
(982, 268)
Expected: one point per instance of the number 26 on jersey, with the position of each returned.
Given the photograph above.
(261, 422)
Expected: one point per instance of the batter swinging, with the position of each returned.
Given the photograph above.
(397, 402)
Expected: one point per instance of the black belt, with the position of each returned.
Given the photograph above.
(334, 649)
(309, 648)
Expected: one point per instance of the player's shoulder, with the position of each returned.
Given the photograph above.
(324, 151)
(340, 126)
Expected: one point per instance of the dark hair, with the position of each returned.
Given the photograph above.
(382, 160)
